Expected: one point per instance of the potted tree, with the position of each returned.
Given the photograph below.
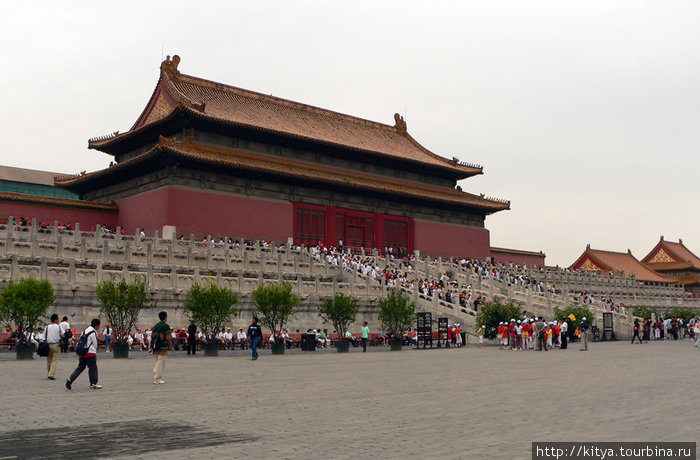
(396, 313)
(339, 311)
(24, 303)
(275, 304)
(210, 307)
(121, 303)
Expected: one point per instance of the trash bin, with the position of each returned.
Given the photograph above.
(308, 342)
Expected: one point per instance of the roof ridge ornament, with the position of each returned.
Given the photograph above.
(170, 65)
(400, 123)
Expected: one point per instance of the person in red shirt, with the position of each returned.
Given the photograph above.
(556, 330)
(501, 341)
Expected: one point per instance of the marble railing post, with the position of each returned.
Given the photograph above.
(71, 272)
(173, 276)
(59, 247)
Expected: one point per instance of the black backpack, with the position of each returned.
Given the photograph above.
(82, 347)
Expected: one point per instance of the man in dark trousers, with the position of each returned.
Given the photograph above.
(255, 337)
(564, 334)
(89, 360)
(192, 338)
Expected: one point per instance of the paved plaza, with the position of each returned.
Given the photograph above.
(454, 404)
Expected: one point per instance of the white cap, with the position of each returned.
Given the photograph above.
(584, 319)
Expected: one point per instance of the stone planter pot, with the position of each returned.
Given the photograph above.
(342, 347)
(396, 345)
(24, 351)
(277, 348)
(211, 349)
(120, 351)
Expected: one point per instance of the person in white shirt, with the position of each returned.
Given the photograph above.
(138, 338)
(241, 338)
(564, 327)
(89, 360)
(228, 338)
(65, 326)
(108, 337)
(129, 340)
(54, 336)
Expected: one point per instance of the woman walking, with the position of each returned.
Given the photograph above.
(636, 332)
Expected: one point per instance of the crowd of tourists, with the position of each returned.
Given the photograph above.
(669, 328)
(534, 333)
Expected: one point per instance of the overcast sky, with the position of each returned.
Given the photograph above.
(584, 114)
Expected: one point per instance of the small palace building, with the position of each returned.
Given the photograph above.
(676, 261)
(209, 158)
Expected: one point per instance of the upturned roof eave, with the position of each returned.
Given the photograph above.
(79, 183)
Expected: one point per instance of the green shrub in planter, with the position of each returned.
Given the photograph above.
(24, 304)
(210, 307)
(339, 311)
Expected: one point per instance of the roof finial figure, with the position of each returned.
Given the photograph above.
(170, 65)
(400, 123)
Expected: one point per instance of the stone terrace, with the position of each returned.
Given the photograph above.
(75, 261)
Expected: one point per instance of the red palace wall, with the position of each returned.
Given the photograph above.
(207, 213)
(47, 214)
(449, 240)
(519, 259)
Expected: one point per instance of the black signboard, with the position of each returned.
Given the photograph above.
(424, 329)
(608, 329)
(442, 332)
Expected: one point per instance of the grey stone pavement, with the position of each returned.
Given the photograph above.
(465, 403)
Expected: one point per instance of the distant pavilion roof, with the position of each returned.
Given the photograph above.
(623, 263)
(179, 93)
(670, 256)
(242, 160)
(29, 176)
(59, 202)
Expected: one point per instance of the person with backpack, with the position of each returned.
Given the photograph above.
(86, 349)
(161, 342)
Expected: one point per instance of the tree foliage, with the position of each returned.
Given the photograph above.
(494, 312)
(24, 304)
(643, 312)
(210, 306)
(579, 313)
(397, 311)
(275, 304)
(685, 313)
(339, 311)
(121, 303)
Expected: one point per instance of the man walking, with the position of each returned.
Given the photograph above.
(88, 360)
(255, 337)
(54, 337)
(584, 334)
(162, 341)
(192, 338)
(365, 336)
